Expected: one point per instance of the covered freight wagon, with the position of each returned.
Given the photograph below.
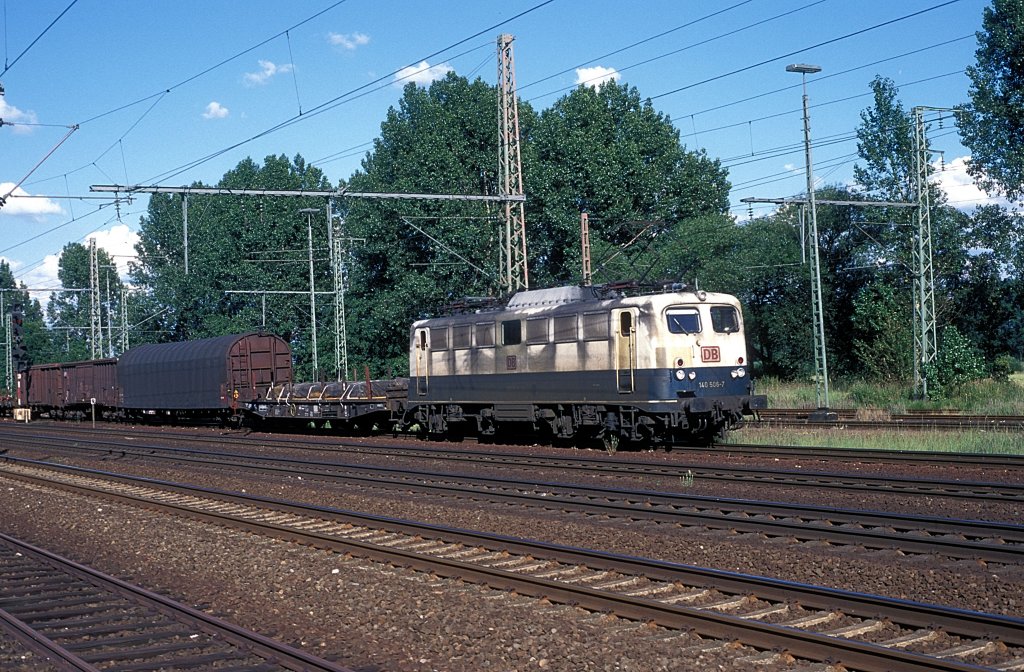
(212, 376)
(72, 386)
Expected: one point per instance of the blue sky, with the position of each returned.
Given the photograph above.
(157, 86)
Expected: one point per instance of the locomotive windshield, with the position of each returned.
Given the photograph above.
(724, 319)
(683, 320)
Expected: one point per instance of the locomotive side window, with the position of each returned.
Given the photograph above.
(511, 332)
(625, 324)
(683, 320)
(595, 326)
(461, 336)
(439, 338)
(485, 334)
(565, 329)
(724, 319)
(537, 330)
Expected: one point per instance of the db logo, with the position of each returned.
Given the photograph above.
(710, 353)
(510, 363)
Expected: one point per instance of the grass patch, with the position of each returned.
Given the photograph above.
(947, 441)
(980, 397)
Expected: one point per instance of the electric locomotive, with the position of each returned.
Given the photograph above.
(586, 363)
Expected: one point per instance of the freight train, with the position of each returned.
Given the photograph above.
(576, 364)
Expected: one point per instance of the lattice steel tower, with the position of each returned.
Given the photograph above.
(514, 275)
(925, 342)
(95, 325)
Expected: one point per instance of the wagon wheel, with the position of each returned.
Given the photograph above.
(610, 441)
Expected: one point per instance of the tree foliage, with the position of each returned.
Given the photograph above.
(657, 212)
(69, 312)
(992, 125)
(956, 363)
(237, 244)
(409, 258)
(607, 152)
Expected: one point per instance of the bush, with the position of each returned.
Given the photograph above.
(956, 363)
(1002, 367)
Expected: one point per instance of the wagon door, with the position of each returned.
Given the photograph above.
(624, 321)
(421, 346)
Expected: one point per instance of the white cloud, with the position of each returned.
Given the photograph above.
(20, 205)
(422, 74)
(349, 40)
(11, 114)
(119, 241)
(267, 70)
(215, 111)
(595, 76)
(960, 188)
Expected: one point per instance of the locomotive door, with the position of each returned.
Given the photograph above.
(422, 348)
(624, 323)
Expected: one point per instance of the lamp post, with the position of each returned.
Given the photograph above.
(309, 212)
(820, 357)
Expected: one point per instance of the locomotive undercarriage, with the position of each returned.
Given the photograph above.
(579, 424)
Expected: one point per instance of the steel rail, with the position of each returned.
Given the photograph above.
(974, 490)
(863, 455)
(1006, 630)
(873, 529)
(866, 455)
(246, 642)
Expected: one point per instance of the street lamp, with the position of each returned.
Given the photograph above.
(309, 212)
(820, 357)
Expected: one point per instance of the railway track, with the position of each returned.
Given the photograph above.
(847, 417)
(990, 542)
(83, 620)
(858, 631)
(867, 455)
(903, 486)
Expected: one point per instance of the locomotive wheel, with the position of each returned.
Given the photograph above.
(610, 441)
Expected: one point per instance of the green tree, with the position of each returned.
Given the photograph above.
(239, 243)
(956, 363)
(610, 153)
(774, 286)
(992, 125)
(69, 312)
(882, 338)
(414, 257)
(36, 338)
(985, 293)
(884, 235)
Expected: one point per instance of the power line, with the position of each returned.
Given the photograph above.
(823, 77)
(8, 66)
(805, 49)
(636, 44)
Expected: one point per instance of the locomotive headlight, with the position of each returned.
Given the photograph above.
(733, 373)
(740, 372)
(693, 375)
(680, 375)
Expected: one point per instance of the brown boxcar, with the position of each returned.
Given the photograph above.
(93, 379)
(45, 387)
(209, 375)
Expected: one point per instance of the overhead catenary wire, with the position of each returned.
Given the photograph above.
(8, 66)
(790, 54)
(370, 142)
(708, 40)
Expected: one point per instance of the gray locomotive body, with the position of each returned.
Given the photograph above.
(581, 363)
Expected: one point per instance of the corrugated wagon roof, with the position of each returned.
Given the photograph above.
(205, 349)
